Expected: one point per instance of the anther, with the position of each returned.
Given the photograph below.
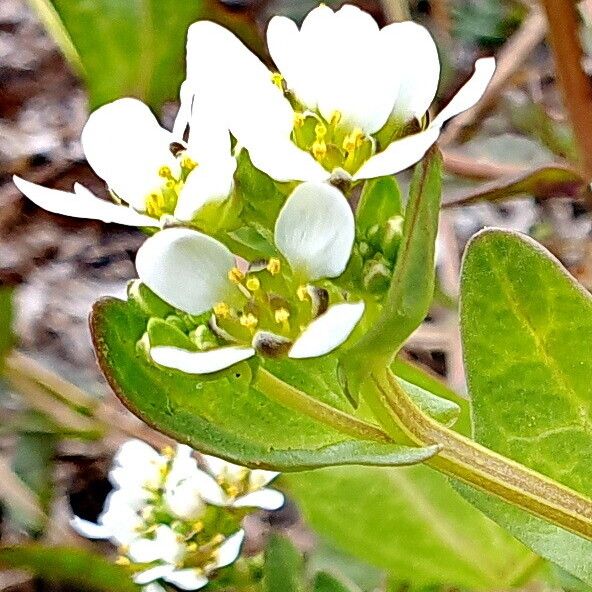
(121, 560)
(278, 80)
(188, 163)
(319, 149)
(165, 172)
(274, 266)
(222, 310)
(320, 131)
(253, 284)
(281, 315)
(249, 321)
(335, 118)
(236, 276)
(299, 119)
(302, 293)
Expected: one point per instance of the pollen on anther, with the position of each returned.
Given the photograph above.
(165, 172)
(121, 560)
(319, 149)
(188, 163)
(274, 266)
(236, 276)
(221, 310)
(253, 284)
(281, 315)
(278, 80)
(249, 320)
(299, 119)
(302, 293)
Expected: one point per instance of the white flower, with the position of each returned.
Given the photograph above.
(239, 487)
(195, 273)
(356, 99)
(183, 577)
(128, 149)
(172, 543)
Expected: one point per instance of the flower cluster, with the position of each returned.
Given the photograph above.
(174, 521)
(309, 132)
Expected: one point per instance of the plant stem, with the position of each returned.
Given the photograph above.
(476, 465)
(576, 87)
(289, 396)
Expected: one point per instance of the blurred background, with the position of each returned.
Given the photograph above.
(61, 58)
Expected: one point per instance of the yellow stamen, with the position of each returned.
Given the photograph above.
(191, 547)
(278, 80)
(353, 140)
(302, 293)
(320, 131)
(165, 172)
(253, 284)
(236, 276)
(335, 118)
(198, 526)
(249, 320)
(281, 315)
(222, 310)
(121, 560)
(299, 119)
(168, 452)
(188, 163)
(319, 149)
(232, 490)
(274, 266)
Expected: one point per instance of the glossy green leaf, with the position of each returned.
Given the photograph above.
(412, 286)
(545, 182)
(223, 414)
(410, 522)
(75, 567)
(283, 566)
(527, 330)
(131, 47)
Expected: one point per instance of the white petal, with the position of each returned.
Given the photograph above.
(81, 204)
(88, 529)
(186, 268)
(266, 499)
(230, 549)
(133, 452)
(259, 478)
(126, 147)
(201, 362)
(282, 160)
(153, 587)
(413, 52)
(164, 546)
(399, 155)
(328, 331)
(208, 183)
(368, 102)
(187, 579)
(315, 230)
(185, 108)
(218, 62)
(154, 573)
(470, 93)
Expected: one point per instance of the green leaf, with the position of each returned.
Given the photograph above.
(410, 522)
(65, 565)
(380, 200)
(526, 329)
(327, 582)
(412, 286)
(283, 567)
(222, 413)
(545, 182)
(131, 47)
(33, 464)
(6, 318)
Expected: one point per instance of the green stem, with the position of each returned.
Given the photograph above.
(295, 399)
(476, 465)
